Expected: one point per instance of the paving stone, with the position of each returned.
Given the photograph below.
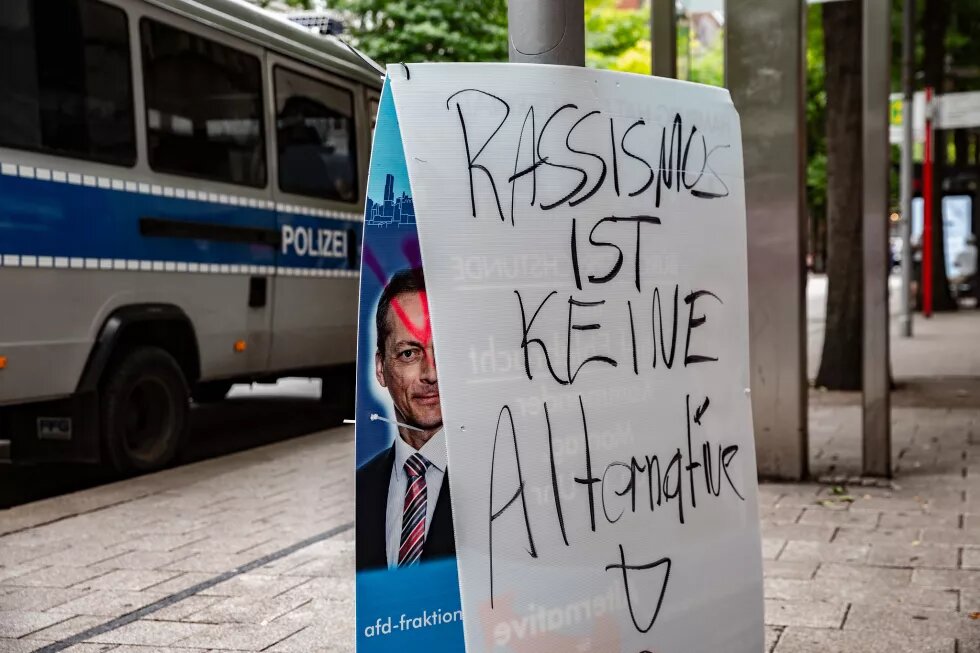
(947, 578)
(811, 640)
(13, 554)
(91, 648)
(780, 514)
(11, 571)
(37, 598)
(956, 536)
(805, 613)
(241, 637)
(214, 563)
(156, 649)
(849, 591)
(164, 542)
(849, 517)
(76, 556)
(313, 638)
(131, 579)
(149, 633)
(184, 609)
(824, 552)
(56, 577)
(811, 532)
(907, 555)
(246, 610)
(68, 627)
(9, 645)
(771, 548)
(146, 559)
(787, 569)
(880, 535)
(18, 623)
(254, 585)
(919, 520)
(110, 603)
(772, 635)
(911, 621)
(887, 576)
(182, 581)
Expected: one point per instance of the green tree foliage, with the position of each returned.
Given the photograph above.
(393, 31)
(816, 134)
(708, 64)
(619, 39)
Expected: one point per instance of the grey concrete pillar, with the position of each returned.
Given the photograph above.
(663, 34)
(547, 31)
(765, 71)
(876, 55)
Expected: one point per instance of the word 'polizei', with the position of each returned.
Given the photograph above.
(314, 242)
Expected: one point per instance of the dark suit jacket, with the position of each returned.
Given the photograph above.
(372, 507)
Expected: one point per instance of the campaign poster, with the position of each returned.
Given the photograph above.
(407, 589)
(583, 238)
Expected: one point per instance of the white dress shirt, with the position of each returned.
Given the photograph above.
(435, 452)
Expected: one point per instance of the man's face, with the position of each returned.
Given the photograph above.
(407, 365)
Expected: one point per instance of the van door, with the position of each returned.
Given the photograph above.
(318, 182)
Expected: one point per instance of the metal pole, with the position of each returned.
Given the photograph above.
(663, 31)
(927, 190)
(551, 32)
(876, 80)
(907, 145)
(765, 72)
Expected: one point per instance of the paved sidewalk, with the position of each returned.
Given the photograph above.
(248, 552)
(254, 551)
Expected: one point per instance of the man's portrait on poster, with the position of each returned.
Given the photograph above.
(404, 513)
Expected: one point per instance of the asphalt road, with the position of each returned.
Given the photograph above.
(250, 417)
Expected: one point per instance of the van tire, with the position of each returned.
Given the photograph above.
(143, 410)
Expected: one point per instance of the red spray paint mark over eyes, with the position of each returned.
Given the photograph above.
(410, 248)
(422, 332)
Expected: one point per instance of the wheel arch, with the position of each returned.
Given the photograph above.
(160, 325)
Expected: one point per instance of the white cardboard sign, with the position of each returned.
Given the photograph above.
(583, 238)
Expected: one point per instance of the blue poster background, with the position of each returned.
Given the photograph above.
(417, 608)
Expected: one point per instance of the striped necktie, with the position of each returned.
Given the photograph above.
(413, 516)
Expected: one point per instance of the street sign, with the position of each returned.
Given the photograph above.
(958, 110)
(895, 117)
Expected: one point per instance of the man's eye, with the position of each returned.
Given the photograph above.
(408, 355)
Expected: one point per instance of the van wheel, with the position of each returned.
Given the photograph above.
(144, 411)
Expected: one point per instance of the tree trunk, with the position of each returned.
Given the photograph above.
(962, 142)
(935, 21)
(840, 363)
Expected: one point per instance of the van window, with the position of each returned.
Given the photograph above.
(65, 79)
(203, 107)
(315, 135)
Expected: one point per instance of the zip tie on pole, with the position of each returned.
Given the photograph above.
(375, 417)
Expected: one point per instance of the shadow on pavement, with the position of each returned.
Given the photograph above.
(216, 429)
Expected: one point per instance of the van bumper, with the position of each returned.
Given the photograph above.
(60, 430)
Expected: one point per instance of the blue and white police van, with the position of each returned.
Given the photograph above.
(181, 195)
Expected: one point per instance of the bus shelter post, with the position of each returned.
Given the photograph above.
(546, 31)
(765, 73)
(663, 30)
(876, 54)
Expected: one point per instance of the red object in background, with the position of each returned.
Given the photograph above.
(927, 211)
